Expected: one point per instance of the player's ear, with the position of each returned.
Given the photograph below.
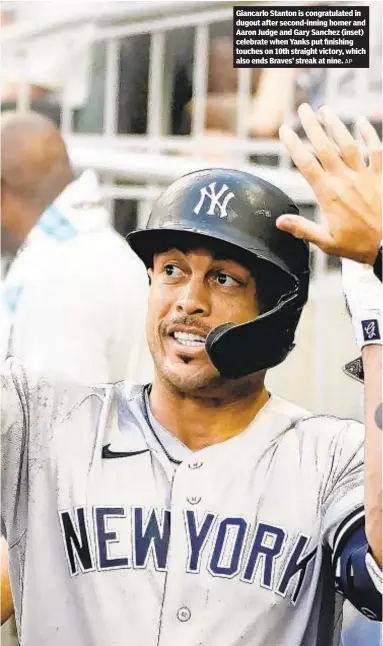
(150, 274)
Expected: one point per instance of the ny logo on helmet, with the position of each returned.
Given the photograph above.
(220, 200)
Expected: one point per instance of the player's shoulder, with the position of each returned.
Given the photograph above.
(319, 429)
(288, 409)
(329, 425)
(49, 391)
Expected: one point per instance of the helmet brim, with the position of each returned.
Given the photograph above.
(146, 242)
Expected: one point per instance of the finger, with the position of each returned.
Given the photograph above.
(348, 147)
(324, 148)
(369, 133)
(304, 160)
(305, 229)
(373, 143)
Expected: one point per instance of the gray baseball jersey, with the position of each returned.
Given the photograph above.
(119, 534)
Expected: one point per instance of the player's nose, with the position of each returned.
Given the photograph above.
(194, 298)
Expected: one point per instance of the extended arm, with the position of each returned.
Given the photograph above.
(349, 192)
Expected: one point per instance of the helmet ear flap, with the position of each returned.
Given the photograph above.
(255, 346)
(266, 341)
(272, 285)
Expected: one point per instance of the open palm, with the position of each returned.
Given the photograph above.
(348, 188)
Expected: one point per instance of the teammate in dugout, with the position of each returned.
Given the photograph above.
(202, 509)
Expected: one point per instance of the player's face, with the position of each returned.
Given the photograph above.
(191, 293)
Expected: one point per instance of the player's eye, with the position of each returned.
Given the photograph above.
(226, 280)
(173, 271)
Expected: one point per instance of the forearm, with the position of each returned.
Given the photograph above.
(372, 363)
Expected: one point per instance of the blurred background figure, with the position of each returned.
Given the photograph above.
(35, 169)
(272, 91)
(73, 300)
(267, 98)
(144, 92)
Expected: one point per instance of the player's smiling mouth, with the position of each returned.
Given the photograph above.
(189, 339)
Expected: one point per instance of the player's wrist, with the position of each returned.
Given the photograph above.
(363, 293)
(370, 251)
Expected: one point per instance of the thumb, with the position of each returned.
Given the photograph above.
(300, 227)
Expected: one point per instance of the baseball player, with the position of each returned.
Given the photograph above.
(199, 509)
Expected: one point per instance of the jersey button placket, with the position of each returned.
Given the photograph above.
(197, 464)
(194, 500)
(183, 614)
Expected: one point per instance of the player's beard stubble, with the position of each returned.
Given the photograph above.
(195, 376)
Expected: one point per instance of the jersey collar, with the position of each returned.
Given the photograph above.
(132, 432)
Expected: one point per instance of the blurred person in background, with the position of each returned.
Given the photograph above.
(271, 90)
(74, 298)
(62, 294)
(273, 93)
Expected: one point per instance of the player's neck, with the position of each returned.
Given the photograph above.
(203, 422)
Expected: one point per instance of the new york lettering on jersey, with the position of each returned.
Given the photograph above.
(230, 550)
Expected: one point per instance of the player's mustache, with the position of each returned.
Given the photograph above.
(187, 321)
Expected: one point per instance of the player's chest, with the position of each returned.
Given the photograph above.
(276, 485)
(244, 522)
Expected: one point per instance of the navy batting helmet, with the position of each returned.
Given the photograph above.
(238, 211)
